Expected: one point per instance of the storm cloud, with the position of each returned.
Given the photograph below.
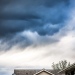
(35, 15)
(36, 30)
(45, 17)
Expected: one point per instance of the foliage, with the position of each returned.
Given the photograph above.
(60, 65)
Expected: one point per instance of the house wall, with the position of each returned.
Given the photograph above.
(62, 74)
(44, 73)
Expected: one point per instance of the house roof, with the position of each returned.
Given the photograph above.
(43, 70)
(68, 68)
(32, 71)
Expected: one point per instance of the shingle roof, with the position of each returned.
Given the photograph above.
(31, 71)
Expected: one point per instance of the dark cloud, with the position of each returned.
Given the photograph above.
(17, 16)
(9, 42)
(13, 26)
(50, 3)
(10, 27)
(25, 39)
(29, 3)
(34, 22)
(46, 17)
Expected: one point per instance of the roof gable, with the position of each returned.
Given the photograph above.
(43, 70)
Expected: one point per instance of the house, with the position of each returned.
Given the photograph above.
(68, 71)
(34, 72)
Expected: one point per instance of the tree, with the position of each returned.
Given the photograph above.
(60, 65)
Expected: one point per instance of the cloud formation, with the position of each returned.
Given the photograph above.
(16, 16)
(45, 17)
(37, 30)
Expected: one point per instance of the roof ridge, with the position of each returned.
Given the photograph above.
(42, 71)
(31, 69)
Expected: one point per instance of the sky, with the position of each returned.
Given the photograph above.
(36, 33)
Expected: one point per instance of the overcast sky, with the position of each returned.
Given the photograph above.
(36, 33)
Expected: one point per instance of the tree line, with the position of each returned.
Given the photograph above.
(60, 65)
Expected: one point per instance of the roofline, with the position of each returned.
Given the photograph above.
(67, 68)
(30, 69)
(26, 69)
(42, 71)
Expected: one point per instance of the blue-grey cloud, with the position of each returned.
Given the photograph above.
(46, 17)
(38, 25)
(16, 16)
